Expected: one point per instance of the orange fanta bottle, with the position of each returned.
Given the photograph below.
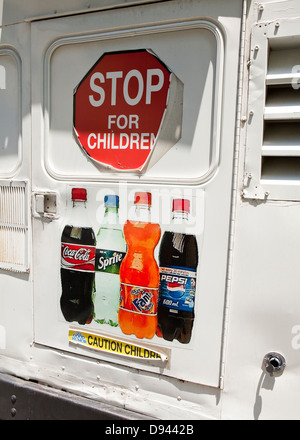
(139, 272)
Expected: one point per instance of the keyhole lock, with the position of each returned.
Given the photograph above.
(274, 362)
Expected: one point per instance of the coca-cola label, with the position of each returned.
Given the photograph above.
(108, 261)
(78, 257)
(138, 299)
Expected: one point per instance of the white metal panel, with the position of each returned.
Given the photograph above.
(207, 148)
(264, 302)
(14, 11)
(15, 121)
(264, 312)
(16, 326)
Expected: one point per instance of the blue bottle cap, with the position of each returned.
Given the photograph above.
(111, 200)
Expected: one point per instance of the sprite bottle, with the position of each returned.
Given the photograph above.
(110, 251)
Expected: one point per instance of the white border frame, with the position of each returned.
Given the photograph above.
(14, 54)
(148, 30)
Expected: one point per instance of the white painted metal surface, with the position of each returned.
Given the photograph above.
(241, 174)
(194, 160)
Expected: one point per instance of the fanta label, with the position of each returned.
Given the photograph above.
(138, 299)
(78, 257)
(177, 288)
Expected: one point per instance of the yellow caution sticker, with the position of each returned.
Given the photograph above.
(100, 342)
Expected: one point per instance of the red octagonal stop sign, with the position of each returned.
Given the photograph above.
(122, 108)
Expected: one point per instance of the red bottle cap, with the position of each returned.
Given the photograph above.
(142, 198)
(181, 205)
(79, 194)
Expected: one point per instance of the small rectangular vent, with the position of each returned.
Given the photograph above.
(13, 226)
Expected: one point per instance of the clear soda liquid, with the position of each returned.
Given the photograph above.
(110, 251)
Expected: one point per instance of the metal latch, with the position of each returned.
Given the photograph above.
(45, 205)
(274, 362)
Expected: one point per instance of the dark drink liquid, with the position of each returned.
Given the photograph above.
(78, 247)
(178, 261)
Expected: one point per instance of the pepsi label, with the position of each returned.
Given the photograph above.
(177, 288)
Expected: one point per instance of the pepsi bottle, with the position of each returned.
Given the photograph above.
(178, 261)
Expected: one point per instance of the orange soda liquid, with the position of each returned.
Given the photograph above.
(139, 275)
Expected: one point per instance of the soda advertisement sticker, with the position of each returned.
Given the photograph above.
(96, 341)
(133, 278)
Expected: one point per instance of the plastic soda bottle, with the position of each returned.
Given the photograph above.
(78, 262)
(110, 251)
(178, 261)
(139, 272)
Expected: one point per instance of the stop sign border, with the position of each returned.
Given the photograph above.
(75, 134)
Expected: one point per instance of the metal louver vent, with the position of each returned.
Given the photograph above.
(272, 155)
(281, 143)
(13, 226)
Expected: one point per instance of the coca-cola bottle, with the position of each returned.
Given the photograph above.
(78, 248)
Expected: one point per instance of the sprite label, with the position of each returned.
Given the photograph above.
(108, 261)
